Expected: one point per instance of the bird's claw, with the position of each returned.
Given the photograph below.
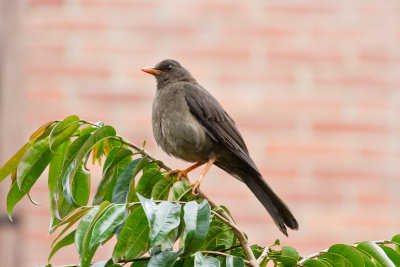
(194, 186)
(179, 172)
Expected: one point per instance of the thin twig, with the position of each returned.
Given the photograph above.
(218, 253)
(263, 254)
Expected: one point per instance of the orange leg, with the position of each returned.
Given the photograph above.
(184, 172)
(203, 173)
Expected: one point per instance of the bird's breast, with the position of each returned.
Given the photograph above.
(176, 130)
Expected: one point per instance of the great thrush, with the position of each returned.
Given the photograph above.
(190, 124)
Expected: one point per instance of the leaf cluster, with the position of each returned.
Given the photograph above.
(156, 221)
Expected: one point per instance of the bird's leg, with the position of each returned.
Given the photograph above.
(203, 173)
(184, 172)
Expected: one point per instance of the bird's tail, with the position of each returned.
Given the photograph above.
(274, 205)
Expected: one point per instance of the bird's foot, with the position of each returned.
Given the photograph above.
(179, 172)
(194, 186)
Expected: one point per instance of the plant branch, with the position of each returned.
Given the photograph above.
(219, 212)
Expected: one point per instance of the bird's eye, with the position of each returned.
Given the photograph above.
(169, 67)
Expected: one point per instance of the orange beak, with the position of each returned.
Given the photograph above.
(152, 71)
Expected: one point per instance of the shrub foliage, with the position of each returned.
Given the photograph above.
(157, 221)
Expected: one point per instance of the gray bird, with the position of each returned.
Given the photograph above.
(190, 124)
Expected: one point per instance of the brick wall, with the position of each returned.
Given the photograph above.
(313, 86)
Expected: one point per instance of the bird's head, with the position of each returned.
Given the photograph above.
(168, 71)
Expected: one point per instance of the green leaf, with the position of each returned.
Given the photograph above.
(393, 255)
(367, 260)
(67, 240)
(163, 259)
(85, 226)
(61, 204)
(162, 218)
(146, 183)
(288, 256)
(61, 127)
(232, 261)
(106, 224)
(54, 171)
(179, 190)
(99, 135)
(350, 253)
(71, 221)
(316, 263)
(134, 236)
(121, 187)
(81, 187)
(12, 163)
(105, 263)
(161, 189)
(35, 155)
(17, 193)
(197, 224)
(139, 263)
(219, 235)
(42, 132)
(396, 239)
(63, 135)
(201, 261)
(376, 252)
(112, 169)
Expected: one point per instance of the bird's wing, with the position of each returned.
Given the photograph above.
(218, 124)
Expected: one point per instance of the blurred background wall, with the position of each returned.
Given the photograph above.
(313, 85)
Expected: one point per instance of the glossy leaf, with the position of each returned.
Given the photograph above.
(396, 239)
(131, 196)
(112, 169)
(232, 261)
(34, 156)
(64, 135)
(67, 240)
(121, 187)
(350, 253)
(99, 135)
(197, 224)
(316, 263)
(201, 261)
(288, 256)
(146, 183)
(81, 187)
(42, 132)
(219, 235)
(105, 263)
(179, 190)
(61, 204)
(163, 259)
(393, 255)
(16, 193)
(376, 252)
(163, 218)
(54, 171)
(12, 163)
(71, 221)
(161, 189)
(85, 225)
(134, 236)
(106, 224)
(62, 126)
